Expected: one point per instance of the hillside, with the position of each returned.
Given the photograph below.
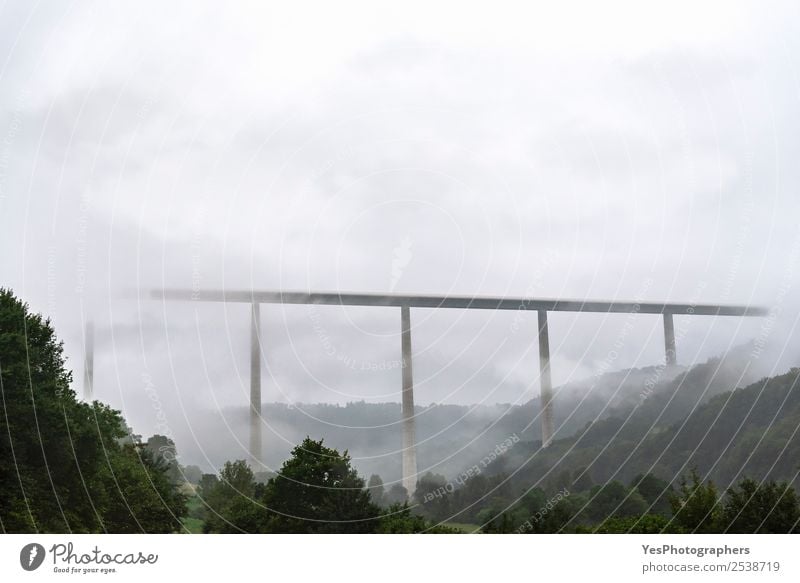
(452, 437)
(752, 431)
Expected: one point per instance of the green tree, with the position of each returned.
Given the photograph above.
(397, 494)
(398, 519)
(752, 508)
(582, 480)
(317, 490)
(207, 483)
(163, 449)
(231, 502)
(548, 514)
(655, 492)
(141, 494)
(432, 497)
(495, 522)
(614, 499)
(645, 524)
(68, 466)
(695, 505)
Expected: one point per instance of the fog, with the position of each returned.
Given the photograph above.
(548, 153)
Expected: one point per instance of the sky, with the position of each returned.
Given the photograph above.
(546, 150)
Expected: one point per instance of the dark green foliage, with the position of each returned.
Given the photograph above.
(499, 523)
(582, 480)
(143, 497)
(317, 490)
(645, 524)
(162, 448)
(231, 504)
(396, 494)
(536, 512)
(431, 497)
(68, 466)
(614, 500)
(696, 505)
(398, 519)
(751, 507)
(754, 427)
(207, 483)
(655, 492)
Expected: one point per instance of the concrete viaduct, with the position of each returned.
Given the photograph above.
(405, 303)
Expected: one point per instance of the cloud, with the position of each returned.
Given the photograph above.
(562, 152)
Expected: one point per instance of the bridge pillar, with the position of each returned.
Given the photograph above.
(669, 340)
(545, 381)
(407, 410)
(255, 386)
(88, 362)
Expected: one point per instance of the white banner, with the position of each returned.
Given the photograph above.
(388, 558)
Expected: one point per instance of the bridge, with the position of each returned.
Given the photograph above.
(405, 303)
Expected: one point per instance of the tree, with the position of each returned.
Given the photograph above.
(375, 487)
(207, 483)
(752, 508)
(645, 524)
(539, 513)
(317, 490)
(397, 494)
(398, 519)
(147, 499)
(614, 499)
(68, 466)
(496, 522)
(582, 480)
(231, 502)
(695, 505)
(432, 497)
(163, 448)
(655, 492)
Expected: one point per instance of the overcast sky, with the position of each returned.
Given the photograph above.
(563, 151)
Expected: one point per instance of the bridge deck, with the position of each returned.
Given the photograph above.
(456, 301)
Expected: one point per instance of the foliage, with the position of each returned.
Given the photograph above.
(696, 505)
(751, 507)
(397, 494)
(68, 466)
(654, 491)
(398, 519)
(430, 497)
(231, 501)
(614, 500)
(317, 490)
(644, 524)
(162, 448)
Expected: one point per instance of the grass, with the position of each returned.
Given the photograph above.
(194, 510)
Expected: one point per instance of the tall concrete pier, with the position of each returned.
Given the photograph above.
(545, 381)
(669, 340)
(407, 408)
(255, 386)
